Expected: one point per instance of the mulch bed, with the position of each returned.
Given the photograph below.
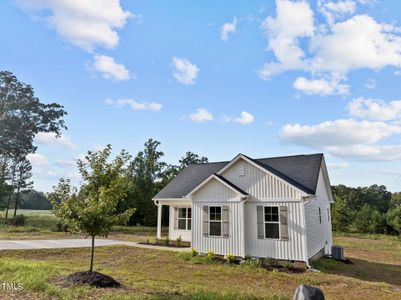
(94, 279)
(163, 244)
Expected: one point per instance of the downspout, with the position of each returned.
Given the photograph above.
(243, 199)
(305, 200)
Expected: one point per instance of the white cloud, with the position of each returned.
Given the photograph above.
(342, 132)
(85, 24)
(185, 72)
(335, 10)
(50, 139)
(375, 109)
(245, 118)
(109, 68)
(294, 20)
(37, 160)
(134, 105)
(320, 86)
(337, 165)
(328, 50)
(359, 42)
(370, 84)
(345, 138)
(369, 152)
(227, 29)
(201, 115)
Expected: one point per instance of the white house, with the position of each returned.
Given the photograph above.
(276, 207)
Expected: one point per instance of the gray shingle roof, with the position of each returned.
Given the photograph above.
(301, 171)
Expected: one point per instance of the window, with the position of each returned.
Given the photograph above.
(272, 222)
(328, 214)
(320, 216)
(215, 220)
(184, 218)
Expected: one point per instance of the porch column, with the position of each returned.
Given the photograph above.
(159, 220)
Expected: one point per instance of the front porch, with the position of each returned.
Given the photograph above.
(180, 219)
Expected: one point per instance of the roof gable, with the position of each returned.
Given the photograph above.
(221, 180)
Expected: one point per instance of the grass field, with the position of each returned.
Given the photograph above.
(156, 274)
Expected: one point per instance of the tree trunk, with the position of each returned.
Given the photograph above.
(16, 203)
(8, 203)
(92, 253)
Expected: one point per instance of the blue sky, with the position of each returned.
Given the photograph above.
(262, 78)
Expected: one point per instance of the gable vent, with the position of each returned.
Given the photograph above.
(241, 170)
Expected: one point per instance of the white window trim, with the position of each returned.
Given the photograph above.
(216, 221)
(186, 218)
(272, 222)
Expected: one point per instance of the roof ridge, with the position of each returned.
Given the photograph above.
(288, 156)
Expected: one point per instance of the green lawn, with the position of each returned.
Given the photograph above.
(155, 274)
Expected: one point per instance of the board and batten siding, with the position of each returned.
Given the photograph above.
(258, 183)
(173, 233)
(291, 249)
(318, 235)
(215, 193)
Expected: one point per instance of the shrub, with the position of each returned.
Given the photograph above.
(270, 261)
(252, 262)
(178, 241)
(19, 220)
(184, 255)
(230, 258)
(287, 265)
(210, 254)
(167, 241)
(194, 252)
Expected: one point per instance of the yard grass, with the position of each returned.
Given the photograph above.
(156, 274)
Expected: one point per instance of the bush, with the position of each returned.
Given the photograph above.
(287, 265)
(270, 261)
(230, 258)
(194, 252)
(19, 220)
(210, 254)
(167, 241)
(178, 241)
(184, 255)
(252, 262)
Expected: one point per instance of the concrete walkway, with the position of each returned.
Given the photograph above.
(73, 243)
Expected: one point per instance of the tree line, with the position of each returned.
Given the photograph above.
(371, 209)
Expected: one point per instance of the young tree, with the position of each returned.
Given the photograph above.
(394, 218)
(146, 171)
(23, 174)
(341, 216)
(93, 209)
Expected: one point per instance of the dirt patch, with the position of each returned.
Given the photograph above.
(94, 279)
(163, 244)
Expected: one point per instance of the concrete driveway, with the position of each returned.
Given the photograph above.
(56, 244)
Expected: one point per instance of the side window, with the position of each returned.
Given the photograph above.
(184, 218)
(215, 220)
(320, 216)
(272, 222)
(328, 214)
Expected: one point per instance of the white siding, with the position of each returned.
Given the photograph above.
(173, 234)
(214, 190)
(293, 249)
(216, 193)
(318, 235)
(260, 184)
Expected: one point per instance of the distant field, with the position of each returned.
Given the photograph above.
(33, 212)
